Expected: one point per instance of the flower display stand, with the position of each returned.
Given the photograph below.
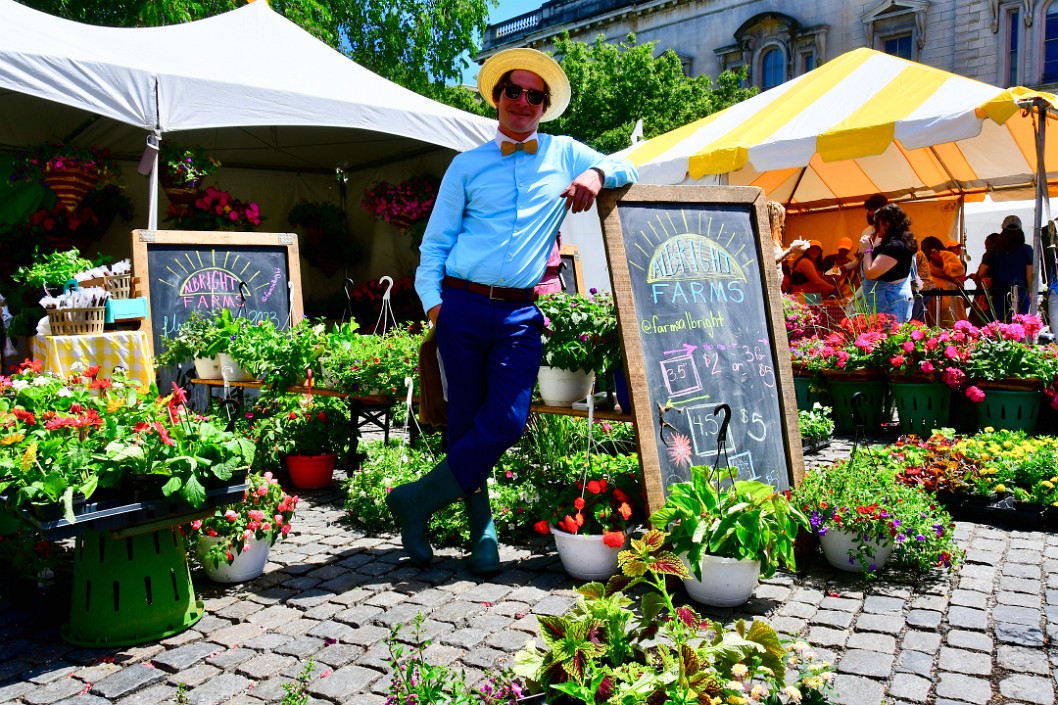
(842, 388)
(921, 406)
(130, 589)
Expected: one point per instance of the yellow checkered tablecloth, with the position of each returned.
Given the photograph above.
(129, 349)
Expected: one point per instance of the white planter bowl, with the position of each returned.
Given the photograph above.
(231, 371)
(247, 565)
(585, 556)
(563, 387)
(208, 368)
(726, 582)
(837, 544)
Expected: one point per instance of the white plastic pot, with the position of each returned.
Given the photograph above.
(563, 387)
(585, 556)
(247, 565)
(836, 547)
(726, 582)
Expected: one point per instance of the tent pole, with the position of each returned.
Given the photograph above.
(152, 192)
(1041, 189)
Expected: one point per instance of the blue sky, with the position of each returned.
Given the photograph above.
(506, 10)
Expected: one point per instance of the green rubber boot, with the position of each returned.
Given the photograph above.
(485, 550)
(414, 503)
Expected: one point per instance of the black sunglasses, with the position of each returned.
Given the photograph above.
(532, 96)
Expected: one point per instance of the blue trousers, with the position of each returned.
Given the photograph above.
(491, 353)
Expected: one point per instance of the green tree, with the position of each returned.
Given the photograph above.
(614, 85)
(313, 15)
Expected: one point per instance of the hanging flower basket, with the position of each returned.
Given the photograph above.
(70, 185)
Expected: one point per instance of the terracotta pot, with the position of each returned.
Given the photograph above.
(309, 472)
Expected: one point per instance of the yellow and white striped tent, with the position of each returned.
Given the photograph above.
(863, 123)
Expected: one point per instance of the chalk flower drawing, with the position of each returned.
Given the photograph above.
(680, 450)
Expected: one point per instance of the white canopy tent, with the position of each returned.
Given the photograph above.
(251, 87)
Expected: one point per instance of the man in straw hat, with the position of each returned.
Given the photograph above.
(498, 211)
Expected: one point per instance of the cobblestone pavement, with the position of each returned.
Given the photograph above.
(981, 635)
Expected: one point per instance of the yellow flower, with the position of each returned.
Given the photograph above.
(12, 439)
(989, 429)
(1048, 484)
(1000, 488)
(115, 404)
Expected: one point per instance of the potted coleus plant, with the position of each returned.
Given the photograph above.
(579, 341)
(604, 651)
(593, 506)
(864, 515)
(233, 544)
(729, 532)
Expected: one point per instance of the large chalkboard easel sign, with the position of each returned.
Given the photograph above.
(202, 271)
(700, 317)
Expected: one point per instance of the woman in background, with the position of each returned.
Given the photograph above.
(888, 256)
(807, 277)
(777, 220)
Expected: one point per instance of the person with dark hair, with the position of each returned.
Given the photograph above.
(979, 310)
(871, 205)
(947, 271)
(806, 275)
(1006, 271)
(888, 256)
(486, 246)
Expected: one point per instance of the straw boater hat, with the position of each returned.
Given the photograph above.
(527, 60)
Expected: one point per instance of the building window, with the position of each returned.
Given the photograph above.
(808, 61)
(1012, 48)
(1050, 45)
(771, 69)
(898, 46)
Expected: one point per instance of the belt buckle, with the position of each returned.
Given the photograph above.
(495, 298)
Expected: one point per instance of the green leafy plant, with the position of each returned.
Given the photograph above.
(202, 335)
(863, 497)
(282, 358)
(287, 424)
(264, 513)
(53, 269)
(816, 424)
(604, 651)
(580, 332)
(416, 680)
(373, 364)
(716, 513)
(185, 165)
(297, 693)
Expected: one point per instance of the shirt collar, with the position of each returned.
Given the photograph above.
(501, 138)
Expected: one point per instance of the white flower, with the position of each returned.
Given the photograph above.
(792, 693)
(41, 381)
(76, 367)
(734, 685)
(19, 384)
(63, 392)
(739, 670)
(759, 692)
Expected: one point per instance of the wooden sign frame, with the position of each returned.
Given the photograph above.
(681, 214)
(571, 256)
(142, 240)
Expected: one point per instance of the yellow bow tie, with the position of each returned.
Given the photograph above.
(509, 148)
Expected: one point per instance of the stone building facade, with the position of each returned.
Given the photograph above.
(1002, 42)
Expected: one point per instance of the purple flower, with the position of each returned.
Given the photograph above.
(900, 538)
(920, 537)
(822, 531)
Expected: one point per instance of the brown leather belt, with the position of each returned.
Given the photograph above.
(498, 293)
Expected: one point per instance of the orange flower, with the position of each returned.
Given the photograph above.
(613, 539)
(595, 486)
(579, 503)
(624, 510)
(542, 527)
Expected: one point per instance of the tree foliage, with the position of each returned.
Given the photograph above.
(614, 85)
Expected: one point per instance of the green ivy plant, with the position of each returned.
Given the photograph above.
(716, 513)
(53, 269)
(816, 423)
(202, 335)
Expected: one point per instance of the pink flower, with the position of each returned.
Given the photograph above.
(908, 346)
(974, 394)
(231, 515)
(285, 530)
(897, 360)
(927, 366)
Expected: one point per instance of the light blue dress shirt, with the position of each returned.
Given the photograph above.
(497, 217)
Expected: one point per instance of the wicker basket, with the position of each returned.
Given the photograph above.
(119, 286)
(76, 321)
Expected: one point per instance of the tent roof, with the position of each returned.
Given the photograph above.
(863, 123)
(285, 98)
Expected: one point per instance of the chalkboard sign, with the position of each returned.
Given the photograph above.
(570, 273)
(187, 271)
(700, 317)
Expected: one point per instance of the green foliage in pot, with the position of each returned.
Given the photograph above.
(580, 332)
(602, 650)
(290, 424)
(816, 424)
(717, 514)
(202, 335)
(372, 364)
(52, 269)
(862, 496)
